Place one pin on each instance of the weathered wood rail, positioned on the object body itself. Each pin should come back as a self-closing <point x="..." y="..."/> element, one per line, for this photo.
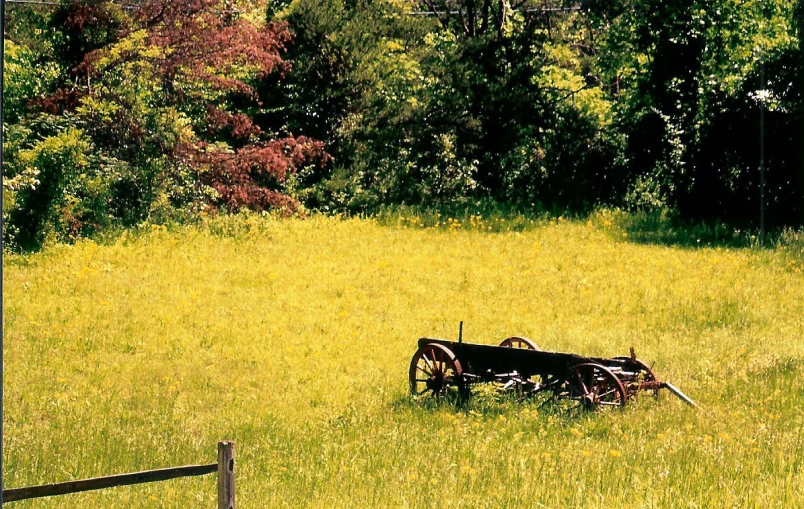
<point x="225" y="467"/>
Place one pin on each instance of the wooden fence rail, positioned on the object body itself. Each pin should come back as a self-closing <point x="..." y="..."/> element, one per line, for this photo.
<point x="225" y="467"/>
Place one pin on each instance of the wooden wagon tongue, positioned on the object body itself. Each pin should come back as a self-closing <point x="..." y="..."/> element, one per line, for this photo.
<point x="683" y="397"/>
<point x="442" y="366"/>
<point x="667" y="385"/>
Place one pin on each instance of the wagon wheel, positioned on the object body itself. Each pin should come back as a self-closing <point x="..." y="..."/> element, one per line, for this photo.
<point x="433" y="370"/>
<point x="645" y="374"/>
<point x="519" y="342"/>
<point x="593" y="386"/>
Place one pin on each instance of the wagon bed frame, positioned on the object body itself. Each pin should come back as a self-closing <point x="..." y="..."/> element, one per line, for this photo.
<point x="440" y="366"/>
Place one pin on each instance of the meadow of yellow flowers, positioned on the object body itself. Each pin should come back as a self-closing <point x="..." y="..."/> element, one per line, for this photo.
<point x="293" y="337"/>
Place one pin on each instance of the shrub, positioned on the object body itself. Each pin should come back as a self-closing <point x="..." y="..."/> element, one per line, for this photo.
<point x="60" y="189"/>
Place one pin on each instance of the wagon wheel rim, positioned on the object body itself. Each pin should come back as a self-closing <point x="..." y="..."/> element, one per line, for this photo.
<point x="593" y="386"/>
<point x="519" y="342"/>
<point x="433" y="370"/>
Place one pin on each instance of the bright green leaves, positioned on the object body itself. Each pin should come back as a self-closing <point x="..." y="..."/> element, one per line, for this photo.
<point x="25" y="78"/>
<point x="60" y="189"/>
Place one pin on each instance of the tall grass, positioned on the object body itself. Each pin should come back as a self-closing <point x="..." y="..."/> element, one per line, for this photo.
<point x="293" y="337"/>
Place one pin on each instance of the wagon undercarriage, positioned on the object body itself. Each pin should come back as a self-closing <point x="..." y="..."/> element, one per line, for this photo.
<point x="441" y="366"/>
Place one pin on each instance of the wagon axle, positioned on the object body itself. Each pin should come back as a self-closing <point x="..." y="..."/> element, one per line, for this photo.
<point x="440" y="366"/>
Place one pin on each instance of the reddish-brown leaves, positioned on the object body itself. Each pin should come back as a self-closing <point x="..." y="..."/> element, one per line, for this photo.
<point x="208" y="42"/>
<point x="80" y="16"/>
<point x="205" y="43"/>
<point x="250" y="176"/>
<point x="64" y="99"/>
<point x="239" y="126"/>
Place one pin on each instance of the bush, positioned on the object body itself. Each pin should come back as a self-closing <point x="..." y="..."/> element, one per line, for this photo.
<point x="58" y="188"/>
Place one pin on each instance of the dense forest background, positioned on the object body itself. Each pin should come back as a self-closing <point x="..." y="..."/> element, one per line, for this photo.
<point x="118" y="113"/>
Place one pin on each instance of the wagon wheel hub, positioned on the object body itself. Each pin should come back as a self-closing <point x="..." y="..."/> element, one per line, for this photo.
<point x="435" y="382"/>
<point x="589" y="401"/>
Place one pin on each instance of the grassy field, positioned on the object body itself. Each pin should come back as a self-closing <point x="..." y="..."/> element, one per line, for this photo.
<point x="293" y="338"/>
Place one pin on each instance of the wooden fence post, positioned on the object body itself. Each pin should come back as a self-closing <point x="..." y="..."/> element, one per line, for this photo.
<point x="226" y="475"/>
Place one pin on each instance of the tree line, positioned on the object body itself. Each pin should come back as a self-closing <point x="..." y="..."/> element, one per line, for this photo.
<point x="157" y="109"/>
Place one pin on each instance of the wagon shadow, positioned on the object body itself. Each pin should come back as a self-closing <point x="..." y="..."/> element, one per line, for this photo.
<point x="490" y="403"/>
<point x="450" y="401"/>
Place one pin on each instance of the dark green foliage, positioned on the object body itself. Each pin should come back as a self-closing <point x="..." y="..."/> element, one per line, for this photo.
<point x="726" y="166"/>
<point x="690" y="107"/>
<point x="58" y="187"/>
<point x="431" y="110"/>
<point x="800" y="91"/>
<point x="82" y="27"/>
<point x="116" y="116"/>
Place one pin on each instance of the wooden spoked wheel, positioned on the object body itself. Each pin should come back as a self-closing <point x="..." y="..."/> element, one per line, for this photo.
<point x="519" y="342"/>
<point x="593" y="386"/>
<point x="433" y="370"/>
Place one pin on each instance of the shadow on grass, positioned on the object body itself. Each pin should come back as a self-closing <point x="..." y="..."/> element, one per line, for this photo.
<point x="781" y="368"/>
<point x="482" y="215"/>
<point x="661" y="227"/>
<point x="666" y="228"/>
<point x="487" y="402"/>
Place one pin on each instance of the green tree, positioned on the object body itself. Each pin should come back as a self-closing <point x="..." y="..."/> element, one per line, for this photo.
<point x="25" y="78"/>
<point x="151" y="114"/>
<point x="688" y="101"/>
<point x="492" y="102"/>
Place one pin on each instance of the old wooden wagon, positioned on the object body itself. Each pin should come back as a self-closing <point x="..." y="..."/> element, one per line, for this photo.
<point x="442" y="366"/>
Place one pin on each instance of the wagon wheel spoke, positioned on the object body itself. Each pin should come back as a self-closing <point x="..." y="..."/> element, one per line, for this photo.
<point x="519" y="343"/>
<point x="440" y="361"/>
<point x="424" y="388"/>
<point x="420" y="386"/>
<point x="611" y="395"/>
<point x="594" y="386"/>
<point x="612" y="391"/>
<point x="581" y="385"/>
<point x="601" y="386"/>
<point x="427" y="363"/>
<point x="435" y="361"/>
<point x="428" y="373"/>
<point x="589" y="388"/>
